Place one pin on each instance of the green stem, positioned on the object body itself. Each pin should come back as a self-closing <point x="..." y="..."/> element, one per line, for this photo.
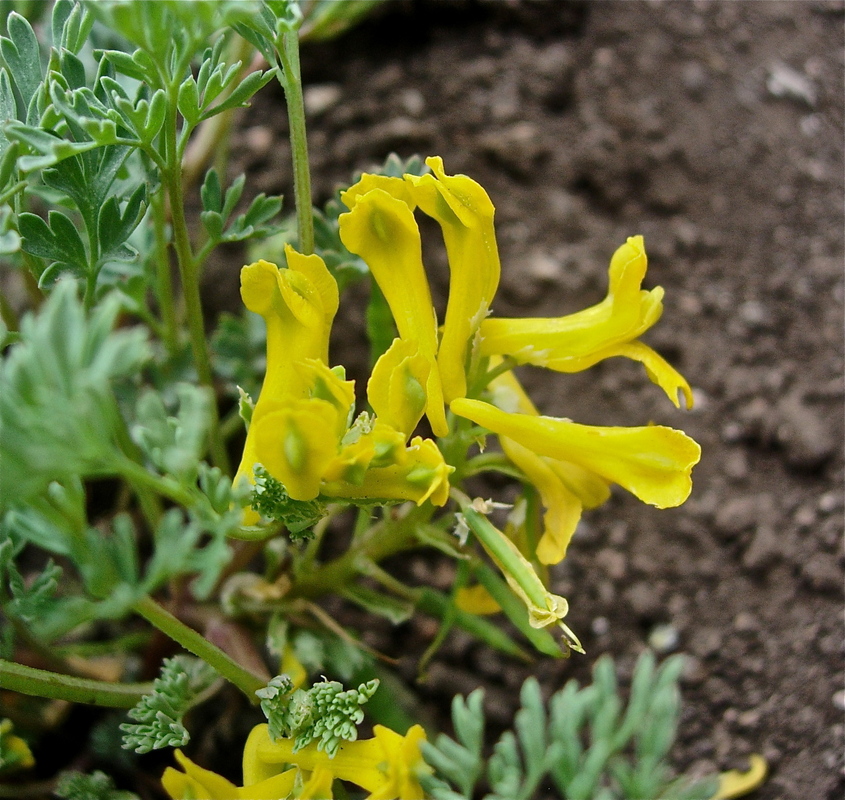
<point x="41" y="683"/>
<point x="291" y="80"/>
<point x="382" y="540"/>
<point x="197" y="644"/>
<point x="7" y="313"/>
<point x="164" y="280"/>
<point x="142" y="479"/>
<point x="189" y="274"/>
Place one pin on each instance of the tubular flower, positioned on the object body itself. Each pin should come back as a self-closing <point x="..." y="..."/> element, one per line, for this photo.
<point x="300" y="428"/>
<point x="652" y="462"/>
<point x="465" y="214"/>
<point x="381" y="229"/>
<point x="577" y="341"/>
<point x="565" y="488"/>
<point x="298" y="305"/>
<point x="388" y="766"/>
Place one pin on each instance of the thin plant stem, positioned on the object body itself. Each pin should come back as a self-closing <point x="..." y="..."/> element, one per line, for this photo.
<point x="41" y="683"/>
<point x="164" y="280"/>
<point x="189" y="274"/>
<point x="197" y="644"/>
<point x="385" y="539"/>
<point x="291" y="80"/>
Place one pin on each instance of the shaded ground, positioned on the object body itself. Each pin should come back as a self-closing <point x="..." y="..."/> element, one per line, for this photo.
<point x="714" y="129"/>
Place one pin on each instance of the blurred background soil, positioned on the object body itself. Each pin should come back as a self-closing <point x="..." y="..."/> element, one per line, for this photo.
<point x="714" y="129"/>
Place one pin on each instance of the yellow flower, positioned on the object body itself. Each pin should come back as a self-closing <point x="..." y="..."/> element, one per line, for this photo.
<point x="300" y="428"/>
<point x="465" y="214"/>
<point x="566" y="489"/>
<point x="16" y="750"/>
<point x="196" y="783"/>
<point x="734" y="783"/>
<point x="388" y="766"/>
<point x="577" y="341"/>
<point x="298" y="304"/>
<point x="396" y="389"/>
<point x="654" y="462"/>
<point x="419" y="473"/>
<point x="381" y="229"/>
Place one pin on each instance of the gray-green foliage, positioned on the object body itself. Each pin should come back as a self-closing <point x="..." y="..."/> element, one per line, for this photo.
<point x="96" y="786"/>
<point x="271" y="500"/>
<point x="325" y="713"/>
<point x="96" y="136"/>
<point x="158" y="716"/>
<point x="58" y="414"/>
<point x="587" y="745"/>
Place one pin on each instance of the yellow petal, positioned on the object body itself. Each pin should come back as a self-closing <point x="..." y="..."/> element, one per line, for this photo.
<point x="292" y="667"/>
<point x="476" y="600"/>
<point x="577" y="341"/>
<point x="387" y="766"/>
<point x="298" y="305"/>
<point x="273" y="788"/>
<point x="653" y="462"/>
<point x="325" y="384"/>
<point x="295" y="444"/>
<point x="382" y="230"/>
<point x="563" y="507"/>
<point x="395" y="187"/>
<point x="319" y="786"/>
<point x="196" y="783"/>
<point x="419" y="474"/>
<point x="659" y="371"/>
<point x="397" y="386"/>
<point x="465" y="214"/>
<point x="565" y="488"/>
<point x="738" y="784"/>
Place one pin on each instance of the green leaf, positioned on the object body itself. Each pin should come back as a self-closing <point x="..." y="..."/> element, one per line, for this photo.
<point x="188" y="101"/>
<point x="241" y="95"/>
<point x="22" y="56"/>
<point x="325" y="713"/>
<point x="57" y="406"/>
<point x="174" y="444"/>
<point x="132" y="67"/>
<point x="158" y="716"/>
<point x="50" y="149"/>
<point x="71" y="24"/>
<point x="57" y="241"/>
<point x="96" y="786"/>
<point x="397" y="611"/>
<point x="114" y="227"/>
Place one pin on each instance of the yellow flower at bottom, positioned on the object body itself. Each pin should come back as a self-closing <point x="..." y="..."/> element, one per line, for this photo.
<point x="196" y="783"/>
<point x="388" y="765"/>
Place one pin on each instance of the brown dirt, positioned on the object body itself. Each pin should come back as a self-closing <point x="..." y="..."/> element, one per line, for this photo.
<point x="714" y="129"/>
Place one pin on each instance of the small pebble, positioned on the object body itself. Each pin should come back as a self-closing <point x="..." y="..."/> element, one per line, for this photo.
<point x="786" y="82"/>
<point x="745" y="622"/>
<point x="664" y="638"/>
<point x="320" y="98"/>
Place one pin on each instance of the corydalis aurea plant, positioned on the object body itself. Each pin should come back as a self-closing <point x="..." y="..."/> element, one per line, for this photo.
<point x="456" y="375"/>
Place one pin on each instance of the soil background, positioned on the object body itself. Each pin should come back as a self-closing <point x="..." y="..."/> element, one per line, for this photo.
<point x="715" y="129"/>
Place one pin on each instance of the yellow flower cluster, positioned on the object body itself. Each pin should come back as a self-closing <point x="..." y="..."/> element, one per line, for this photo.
<point x="387" y="766"/>
<point x="301" y="430"/>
